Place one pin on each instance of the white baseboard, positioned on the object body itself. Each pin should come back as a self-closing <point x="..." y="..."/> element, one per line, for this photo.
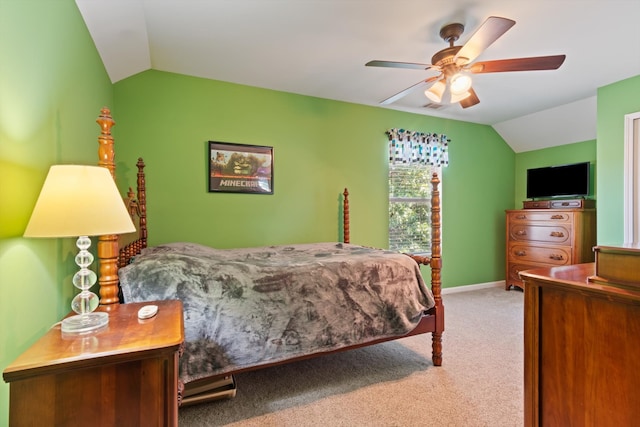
<point x="475" y="287"/>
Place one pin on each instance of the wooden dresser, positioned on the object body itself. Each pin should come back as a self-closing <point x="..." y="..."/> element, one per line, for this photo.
<point x="581" y="344"/>
<point x="124" y="375"/>
<point x="547" y="237"/>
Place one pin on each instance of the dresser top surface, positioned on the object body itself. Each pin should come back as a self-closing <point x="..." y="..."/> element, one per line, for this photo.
<point x="551" y="210"/>
<point x="581" y="278"/>
<point x="629" y="249"/>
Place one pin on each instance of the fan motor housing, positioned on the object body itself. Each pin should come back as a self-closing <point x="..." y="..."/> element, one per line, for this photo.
<point x="445" y="56"/>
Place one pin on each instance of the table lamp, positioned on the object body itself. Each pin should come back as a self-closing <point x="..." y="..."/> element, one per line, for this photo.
<point x="80" y="201"/>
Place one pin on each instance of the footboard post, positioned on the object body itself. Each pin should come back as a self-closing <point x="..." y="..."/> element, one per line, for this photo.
<point x="436" y="267"/>
<point x="345" y="217"/>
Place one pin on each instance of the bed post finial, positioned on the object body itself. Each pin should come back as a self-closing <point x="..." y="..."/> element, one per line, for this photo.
<point x="107" y="247"/>
<point x="105" y="149"/>
<point x="345" y="216"/>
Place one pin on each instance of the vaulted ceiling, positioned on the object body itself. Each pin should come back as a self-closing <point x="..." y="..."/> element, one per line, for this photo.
<point x="320" y="47"/>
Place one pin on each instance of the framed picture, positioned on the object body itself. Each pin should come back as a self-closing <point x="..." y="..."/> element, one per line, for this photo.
<point x="240" y="168"/>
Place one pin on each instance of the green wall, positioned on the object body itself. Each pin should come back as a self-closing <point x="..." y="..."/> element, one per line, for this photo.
<point x="614" y="102"/>
<point x="563" y="154"/>
<point x="52" y="86"/>
<point x="320" y="147"/>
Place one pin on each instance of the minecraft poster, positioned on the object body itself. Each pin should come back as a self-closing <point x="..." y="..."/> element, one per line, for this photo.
<point x="239" y="168"/>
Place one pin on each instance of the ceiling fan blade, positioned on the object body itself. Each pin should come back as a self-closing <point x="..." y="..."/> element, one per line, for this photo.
<point x="518" y="64"/>
<point x="408" y="90"/>
<point x="490" y="31"/>
<point x="470" y="100"/>
<point x="391" y="64"/>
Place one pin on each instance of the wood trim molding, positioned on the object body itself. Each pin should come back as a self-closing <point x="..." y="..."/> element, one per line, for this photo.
<point x="631" y="174"/>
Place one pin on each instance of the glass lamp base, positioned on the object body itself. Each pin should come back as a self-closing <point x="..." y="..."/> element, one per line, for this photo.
<point x="83" y="323"/>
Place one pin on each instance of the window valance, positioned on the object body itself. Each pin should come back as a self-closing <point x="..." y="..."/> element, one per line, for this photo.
<point x="412" y="147"/>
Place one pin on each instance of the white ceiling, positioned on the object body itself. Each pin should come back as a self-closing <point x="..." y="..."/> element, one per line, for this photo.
<point x="319" y="48"/>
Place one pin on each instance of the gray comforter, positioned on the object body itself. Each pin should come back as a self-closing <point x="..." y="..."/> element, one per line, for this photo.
<point x="253" y="306"/>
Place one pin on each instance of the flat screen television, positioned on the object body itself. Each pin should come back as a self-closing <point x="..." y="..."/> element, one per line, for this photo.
<point x="570" y="180"/>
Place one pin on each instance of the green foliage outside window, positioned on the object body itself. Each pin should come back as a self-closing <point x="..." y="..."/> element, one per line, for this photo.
<point x="410" y="208"/>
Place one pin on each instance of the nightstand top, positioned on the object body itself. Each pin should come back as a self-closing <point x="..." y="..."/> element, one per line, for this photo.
<point x="125" y="338"/>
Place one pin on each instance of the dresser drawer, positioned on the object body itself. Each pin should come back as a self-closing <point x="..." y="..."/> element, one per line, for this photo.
<point x="513" y="272"/>
<point x="535" y="215"/>
<point x="548" y="255"/>
<point x="559" y="234"/>
<point x="513" y="276"/>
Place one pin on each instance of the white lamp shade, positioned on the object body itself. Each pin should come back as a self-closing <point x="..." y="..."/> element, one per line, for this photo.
<point x="460" y="83"/>
<point x="79" y="201"/>
<point x="435" y="92"/>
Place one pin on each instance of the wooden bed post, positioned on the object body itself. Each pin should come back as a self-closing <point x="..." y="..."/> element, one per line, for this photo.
<point x="142" y="203"/>
<point x="436" y="267"/>
<point x="107" y="248"/>
<point x="345" y="217"/>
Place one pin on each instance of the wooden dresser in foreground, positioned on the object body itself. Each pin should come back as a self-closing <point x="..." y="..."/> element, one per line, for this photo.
<point x="582" y="346"/>
<point x="124" y="375"/>
<point x="546" y="238"/>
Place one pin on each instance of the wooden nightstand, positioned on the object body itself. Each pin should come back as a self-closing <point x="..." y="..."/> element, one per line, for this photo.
<point x="124" y="375"/>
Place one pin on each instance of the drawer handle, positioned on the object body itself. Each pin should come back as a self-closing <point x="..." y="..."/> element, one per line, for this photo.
<point x="521" y="217"/>
<point x="520" y="253"/>
<point x="557" y="217"/>
<point x="557" y="234"/>
<point x="556" y="257"/>
<point x="521" y="233"/>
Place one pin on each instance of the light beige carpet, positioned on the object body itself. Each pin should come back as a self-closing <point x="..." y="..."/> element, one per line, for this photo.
<point x="395" y="384"/>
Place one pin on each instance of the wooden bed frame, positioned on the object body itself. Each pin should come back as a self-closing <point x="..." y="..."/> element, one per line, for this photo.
<point x="116" y="251"/>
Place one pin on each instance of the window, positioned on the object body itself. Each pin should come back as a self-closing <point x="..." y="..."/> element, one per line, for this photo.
<point x="413" y="158"/>
<point x="410" y="191"/>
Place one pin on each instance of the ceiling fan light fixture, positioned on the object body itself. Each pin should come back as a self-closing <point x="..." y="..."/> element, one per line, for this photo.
<point x="456" y="63"/>
<point x="460" y="83"/>
<point x="435" y="92"/>
<point x="457" y="97"/>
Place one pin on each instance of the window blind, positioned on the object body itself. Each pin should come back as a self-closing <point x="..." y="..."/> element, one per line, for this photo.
<point x="410" y="208"/>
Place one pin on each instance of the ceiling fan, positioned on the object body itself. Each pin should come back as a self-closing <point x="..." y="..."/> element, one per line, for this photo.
<point x="455" y="63"/>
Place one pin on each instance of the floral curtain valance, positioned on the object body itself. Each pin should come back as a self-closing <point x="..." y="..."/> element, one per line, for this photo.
<point x="411" y="147"/>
